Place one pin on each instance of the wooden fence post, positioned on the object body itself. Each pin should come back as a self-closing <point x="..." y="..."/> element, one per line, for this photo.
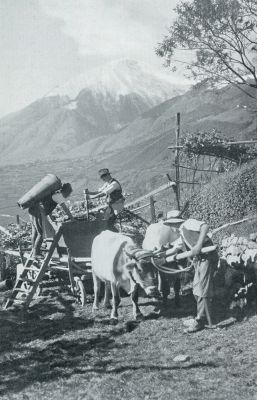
<point x="177" y="162"/>
<point x="86" y="203"/>
<point x="152" y="209"/>
<point x="18" y="221"/>
<point x="2" y="266"/>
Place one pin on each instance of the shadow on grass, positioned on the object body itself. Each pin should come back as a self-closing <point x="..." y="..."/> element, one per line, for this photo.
<point x="105" y="367"/>
<point x="64" y="358"/>
<point x="220" y="310"/>
<point x="33" y="347"/>
<point x="170" y="310"/>
<point x="41" y="362"/>
<point x="57" y="360"/>
<point x="43" y="320"/>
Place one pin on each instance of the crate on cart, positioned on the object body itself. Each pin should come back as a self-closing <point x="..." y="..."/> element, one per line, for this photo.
<point x="78" y="236"/>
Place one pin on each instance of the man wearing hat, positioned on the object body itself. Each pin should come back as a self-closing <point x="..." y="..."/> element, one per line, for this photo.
<point x="112" y="191"/>
<point x="193" y="235"/>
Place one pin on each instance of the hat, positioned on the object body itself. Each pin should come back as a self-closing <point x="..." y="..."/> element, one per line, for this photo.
<point x="66" y="189"/>
<point x="173" y="217"/>
<point x="103" y="171"/>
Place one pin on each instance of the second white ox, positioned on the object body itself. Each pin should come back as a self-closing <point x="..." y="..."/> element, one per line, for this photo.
<point x="117" y="260"/>
<point x="158" y="235"/>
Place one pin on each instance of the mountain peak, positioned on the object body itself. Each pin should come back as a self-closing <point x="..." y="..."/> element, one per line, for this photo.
<point x="120" y="78"/>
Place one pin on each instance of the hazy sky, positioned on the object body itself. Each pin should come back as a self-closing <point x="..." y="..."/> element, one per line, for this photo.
<point x="43" y="43"/>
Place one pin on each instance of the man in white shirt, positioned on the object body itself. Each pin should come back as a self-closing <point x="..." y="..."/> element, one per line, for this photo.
<point x="112" y="191"/>
<point x="193" y="236"/>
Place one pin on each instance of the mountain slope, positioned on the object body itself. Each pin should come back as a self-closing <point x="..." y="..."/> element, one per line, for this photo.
<point x="91" y="106"/>
<point x="138" y="155"/>
<point x="47" y="129"/>
<point x="200" y="110"/>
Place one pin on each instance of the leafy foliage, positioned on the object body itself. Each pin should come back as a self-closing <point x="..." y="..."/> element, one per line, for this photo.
<point x="221" y="37"/>
<point x="210" y="143"/>
<point x="228" y="198"/>
<point x="17" y="236"/>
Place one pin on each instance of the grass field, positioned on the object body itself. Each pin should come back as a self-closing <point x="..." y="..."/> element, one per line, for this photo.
<point x="59" y="350"/>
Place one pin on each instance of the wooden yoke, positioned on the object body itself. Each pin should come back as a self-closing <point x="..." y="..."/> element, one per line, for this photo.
<point x="186" y="254"/>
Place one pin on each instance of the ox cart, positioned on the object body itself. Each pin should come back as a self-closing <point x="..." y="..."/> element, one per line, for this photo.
<point x="74" y="240"/>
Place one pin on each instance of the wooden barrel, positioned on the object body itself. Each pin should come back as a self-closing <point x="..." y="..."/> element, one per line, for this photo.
<point x="48" y="185"/>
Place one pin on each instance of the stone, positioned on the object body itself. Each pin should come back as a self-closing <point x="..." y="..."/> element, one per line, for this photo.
<point x="188" y="322"/>
<point x="181" y="358"/>
<point x="253" y="237"/>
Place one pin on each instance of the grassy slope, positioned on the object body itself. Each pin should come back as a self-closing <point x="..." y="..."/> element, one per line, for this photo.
<point x="62" y="351"/>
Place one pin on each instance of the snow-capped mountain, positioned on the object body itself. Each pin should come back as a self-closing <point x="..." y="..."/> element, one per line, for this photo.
<point x="114" y="95"/>
<point x="99" y="103"/>
<point x="123" y="77"/>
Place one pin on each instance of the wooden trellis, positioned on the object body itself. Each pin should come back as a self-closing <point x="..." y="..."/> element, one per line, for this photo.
<point x="194" y="170"/>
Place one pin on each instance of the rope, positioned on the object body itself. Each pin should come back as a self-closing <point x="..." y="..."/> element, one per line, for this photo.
<point x="170" y="271"/>
<point x="137" y="253"/>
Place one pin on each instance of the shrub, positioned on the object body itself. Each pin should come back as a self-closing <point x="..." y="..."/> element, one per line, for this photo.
<point x="213" y="144"/>
<point x="229" y="197"/>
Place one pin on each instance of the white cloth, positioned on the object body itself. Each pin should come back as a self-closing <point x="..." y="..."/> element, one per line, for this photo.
<point x="58" y="198"/>
<point x="190" y="224"/>
<point x="109" y="187"/>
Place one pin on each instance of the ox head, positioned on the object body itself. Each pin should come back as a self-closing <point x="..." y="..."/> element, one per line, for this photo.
<point x="141" y="269"/>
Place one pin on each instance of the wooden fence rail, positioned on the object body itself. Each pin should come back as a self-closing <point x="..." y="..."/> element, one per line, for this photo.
<point x="149" y="195"/>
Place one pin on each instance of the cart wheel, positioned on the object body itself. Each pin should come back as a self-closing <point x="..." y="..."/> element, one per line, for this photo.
<point x="80" y="292"/>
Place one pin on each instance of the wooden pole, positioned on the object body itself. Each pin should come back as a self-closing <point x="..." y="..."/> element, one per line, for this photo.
<point x="174" y="187"/>
<point x="152" y="209"/>
<point x="18" y="220"/>
<point x="177" y="161"/>
<point x="2" y="267"/>
<point x="86" y="203"/>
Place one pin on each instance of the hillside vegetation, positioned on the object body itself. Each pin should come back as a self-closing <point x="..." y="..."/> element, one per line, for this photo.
<point x="229" y="197"/>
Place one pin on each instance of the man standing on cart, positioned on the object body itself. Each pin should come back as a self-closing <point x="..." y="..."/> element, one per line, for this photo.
<point x="112" y="191"/>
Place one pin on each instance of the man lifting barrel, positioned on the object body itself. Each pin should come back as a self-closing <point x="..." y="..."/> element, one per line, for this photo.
<point x="41" y="200"/>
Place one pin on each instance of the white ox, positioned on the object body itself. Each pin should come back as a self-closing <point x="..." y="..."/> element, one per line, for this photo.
<point x="158" y="235"/>
<point x="116" y="259"/>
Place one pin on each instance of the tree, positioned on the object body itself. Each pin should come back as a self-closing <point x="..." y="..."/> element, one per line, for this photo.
<point x="221" y="37"/>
